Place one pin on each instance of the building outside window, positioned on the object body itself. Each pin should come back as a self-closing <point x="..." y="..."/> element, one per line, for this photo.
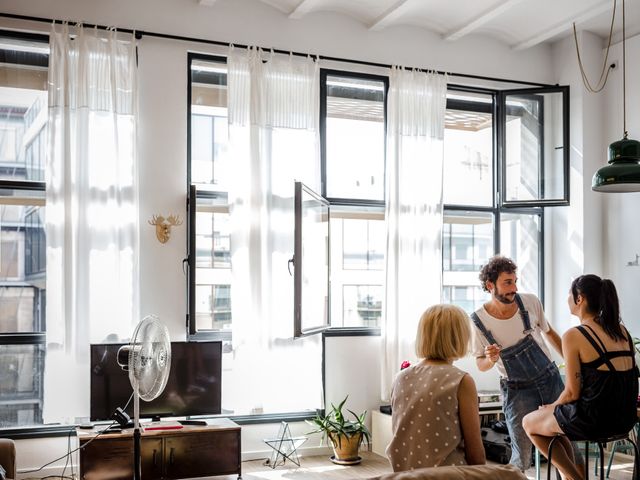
<point x="23" y="139"/>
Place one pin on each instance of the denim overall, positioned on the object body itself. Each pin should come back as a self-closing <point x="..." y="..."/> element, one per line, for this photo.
<point x="532" y="380"/>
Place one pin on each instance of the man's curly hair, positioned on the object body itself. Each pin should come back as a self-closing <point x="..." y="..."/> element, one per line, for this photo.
<point x="493" y="268"/>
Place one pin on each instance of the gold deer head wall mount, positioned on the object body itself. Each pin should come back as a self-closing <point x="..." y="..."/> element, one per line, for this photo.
<point x="163" y="226"/>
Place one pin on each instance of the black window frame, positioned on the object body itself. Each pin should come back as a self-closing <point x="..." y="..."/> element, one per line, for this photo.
<point x="193" y="334"/>
<point x="534" y="94"/>
<point x="499" y="207"/>
<point x="36" y="338"/>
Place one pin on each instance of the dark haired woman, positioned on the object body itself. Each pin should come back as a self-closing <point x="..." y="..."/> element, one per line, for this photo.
<point x="599" y="399"/>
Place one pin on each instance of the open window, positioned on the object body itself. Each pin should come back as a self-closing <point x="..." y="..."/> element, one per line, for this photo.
<point x="311" y="262"/>
<point x="535" y="145"/>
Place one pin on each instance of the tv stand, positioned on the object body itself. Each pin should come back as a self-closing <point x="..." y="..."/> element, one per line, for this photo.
<point x="188" y="452"/>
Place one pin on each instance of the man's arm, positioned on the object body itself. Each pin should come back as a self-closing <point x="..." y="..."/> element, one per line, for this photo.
<point x="554" y="339"/>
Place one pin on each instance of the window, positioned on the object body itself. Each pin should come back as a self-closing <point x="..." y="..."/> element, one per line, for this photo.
<point x="500" y="206"/>
<point x="211" y="273"/>
<point x="23" y="139"/>
<point x="353" y="108"/>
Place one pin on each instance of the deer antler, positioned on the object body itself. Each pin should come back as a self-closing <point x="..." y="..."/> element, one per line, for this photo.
<point x="174" y="220"/>
<point x="156" y="220"/>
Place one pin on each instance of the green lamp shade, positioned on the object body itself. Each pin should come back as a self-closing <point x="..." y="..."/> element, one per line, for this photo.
<point x="622" y="174"/>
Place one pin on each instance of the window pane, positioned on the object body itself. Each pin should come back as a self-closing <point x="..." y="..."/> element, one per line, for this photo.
<point x="355" y="138"/>
<point x="466" y="297"/>
<point x="362" y="305"/>
<point x="209" y="128"/>
<point x="358" y="241"/>
<point x="363" y="244"/>
<point x="468" y="150"/>
<point x="467" y="245"/>
<point x="213" y="307"/>
<point x="212" y="239"/>
<point x="23" y="109"/>
<point x="21" y="372"/>
<point x="520" y="238"/>
<point x="22" y="268"/>
<point x="535" y="157"/>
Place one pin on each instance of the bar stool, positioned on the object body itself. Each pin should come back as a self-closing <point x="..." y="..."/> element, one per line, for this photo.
<point x="601" y="442"/>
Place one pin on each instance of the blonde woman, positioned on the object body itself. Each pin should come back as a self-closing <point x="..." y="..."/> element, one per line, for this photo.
<point x="435" y="417"/>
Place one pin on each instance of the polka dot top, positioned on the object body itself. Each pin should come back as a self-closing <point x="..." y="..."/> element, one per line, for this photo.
<point x="425" y="420"/>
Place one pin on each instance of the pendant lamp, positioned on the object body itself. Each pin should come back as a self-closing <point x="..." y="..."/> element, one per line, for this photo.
<point x="622" y="174"/>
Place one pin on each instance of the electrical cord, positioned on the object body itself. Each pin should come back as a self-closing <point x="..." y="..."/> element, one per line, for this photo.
<point x="604" y="74"/>
<point x="70" y="452"/>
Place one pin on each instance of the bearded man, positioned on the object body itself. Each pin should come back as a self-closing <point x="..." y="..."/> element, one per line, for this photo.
<point x="508" y="334"/>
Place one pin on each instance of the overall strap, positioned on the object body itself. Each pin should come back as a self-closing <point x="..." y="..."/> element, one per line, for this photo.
<point x="478" y="323"/>
<point x="596" y="347"/>
<point x="524" y="314"/>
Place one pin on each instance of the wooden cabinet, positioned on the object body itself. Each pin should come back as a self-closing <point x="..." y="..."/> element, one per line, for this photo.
<point x="188" y="452"/>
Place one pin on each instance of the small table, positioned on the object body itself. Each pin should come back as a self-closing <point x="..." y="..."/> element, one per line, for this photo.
<point x="285" y="446"/>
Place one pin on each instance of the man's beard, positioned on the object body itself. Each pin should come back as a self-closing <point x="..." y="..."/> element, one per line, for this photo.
<point x="507" y="299"/>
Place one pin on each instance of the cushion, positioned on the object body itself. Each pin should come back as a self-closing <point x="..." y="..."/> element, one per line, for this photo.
<point x="472" y="472"/>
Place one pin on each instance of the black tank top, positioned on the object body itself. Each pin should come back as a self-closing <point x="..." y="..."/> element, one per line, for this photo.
<point x="607" y="403"/>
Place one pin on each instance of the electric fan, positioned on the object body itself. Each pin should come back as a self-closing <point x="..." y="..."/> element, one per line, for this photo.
<point x="147" y="358"/>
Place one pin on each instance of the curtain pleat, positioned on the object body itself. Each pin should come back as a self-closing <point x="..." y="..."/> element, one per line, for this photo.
<point x="92" y="204"/>
<point x="273" y="116"/>
<point x="413" y="212"/>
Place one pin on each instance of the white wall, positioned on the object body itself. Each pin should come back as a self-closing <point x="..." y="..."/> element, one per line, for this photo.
<point x="352" y="363"/>
<point x="621" y="227"/>
<point x="573" y="234"/>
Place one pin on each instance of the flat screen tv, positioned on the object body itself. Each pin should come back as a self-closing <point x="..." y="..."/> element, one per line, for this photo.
<point x="193" y="388"/>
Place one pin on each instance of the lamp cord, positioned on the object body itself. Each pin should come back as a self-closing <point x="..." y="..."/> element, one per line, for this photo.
<point x="604" y="75"/>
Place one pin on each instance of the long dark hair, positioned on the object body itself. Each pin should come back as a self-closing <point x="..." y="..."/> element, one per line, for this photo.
<point x="602" y="300"/>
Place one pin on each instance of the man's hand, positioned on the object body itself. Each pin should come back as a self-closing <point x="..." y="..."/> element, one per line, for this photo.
<point x="492" y="352"/>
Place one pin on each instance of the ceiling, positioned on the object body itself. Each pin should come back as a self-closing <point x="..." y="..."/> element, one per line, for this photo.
<point x="520" y="24"/>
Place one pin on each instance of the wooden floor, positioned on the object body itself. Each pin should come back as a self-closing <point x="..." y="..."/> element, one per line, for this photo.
<point x="321" y="468"/>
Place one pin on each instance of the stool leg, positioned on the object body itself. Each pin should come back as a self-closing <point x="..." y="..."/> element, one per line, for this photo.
<point x="550" y="453"/>
<point x="636" y="460"/>
<point x="586" y="460"/>
<point x="537" y="457"/>
<point x="616" y="444"/>
<point x="601" y="452"/>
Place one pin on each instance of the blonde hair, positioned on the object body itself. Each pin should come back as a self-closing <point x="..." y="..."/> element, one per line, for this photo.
<point x="443" y="333"/>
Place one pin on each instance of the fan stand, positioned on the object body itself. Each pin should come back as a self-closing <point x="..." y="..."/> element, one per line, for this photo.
<point x="137" y="466"/>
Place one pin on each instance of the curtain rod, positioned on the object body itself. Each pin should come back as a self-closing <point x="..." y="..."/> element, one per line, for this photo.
<point x="140" y="33"/>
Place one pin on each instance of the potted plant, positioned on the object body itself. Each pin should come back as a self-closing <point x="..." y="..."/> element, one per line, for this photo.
<point x="345" y="435"/>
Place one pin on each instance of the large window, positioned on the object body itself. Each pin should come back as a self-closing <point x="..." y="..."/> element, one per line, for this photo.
<point x="209" y="164"/>
<point x="23" y="138"/>
<point x="512" y="157"/>
<point x="498" y="143"/>
<point x="353" y="113"/>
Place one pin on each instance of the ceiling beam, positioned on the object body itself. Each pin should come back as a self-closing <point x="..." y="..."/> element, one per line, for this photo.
<point x="389" y="15"/>
<point x="564" y="25"/>
<point x="302" y="9"/>
<point x="483" y="18"/>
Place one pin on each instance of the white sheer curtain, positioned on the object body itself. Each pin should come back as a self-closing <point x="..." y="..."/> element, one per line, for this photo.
<point x="273" y="103"/>
<point x="416" y="110"/>
<point x="92" y="206"/>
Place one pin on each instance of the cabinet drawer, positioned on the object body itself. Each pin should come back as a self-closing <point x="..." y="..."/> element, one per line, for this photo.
<point x="198" y="455"/>
<point x="112" y="459"/>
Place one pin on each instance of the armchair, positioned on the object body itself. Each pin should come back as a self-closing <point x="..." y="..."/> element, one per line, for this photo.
<point x="8" y="457"/>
